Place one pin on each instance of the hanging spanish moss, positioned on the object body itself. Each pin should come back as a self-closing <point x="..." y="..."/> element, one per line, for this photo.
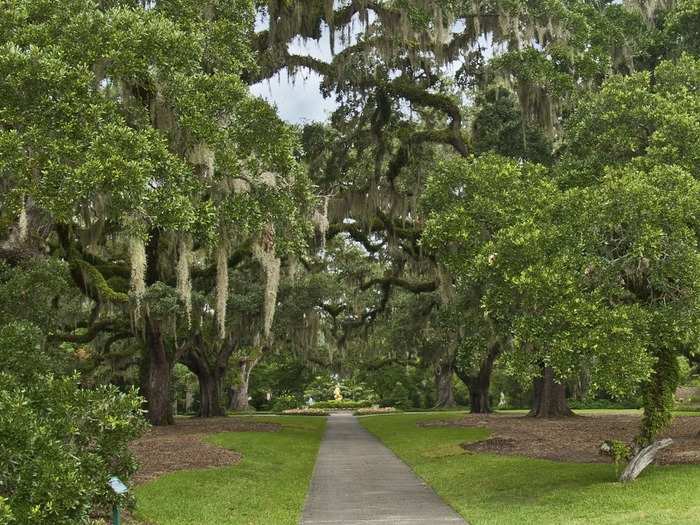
<point x="293" y="268"/>
<point x="239" y="185"/>
<point x="184" y="283"/>
<point x="309" y="333"/>
<point x="269" y="179"/>
<point x="202" y="156"/>
<point x="137" y="255"/>
<point x="221" y="287"/>
<point x="649" y="9"/>
<point x="23" y="223"/>
<point x="446" y="288"/>
<point x="320" y="221"/>
<point x="264" y="252"/>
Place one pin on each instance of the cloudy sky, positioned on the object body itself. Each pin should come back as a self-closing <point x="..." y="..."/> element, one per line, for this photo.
<point x="298" y="98"/>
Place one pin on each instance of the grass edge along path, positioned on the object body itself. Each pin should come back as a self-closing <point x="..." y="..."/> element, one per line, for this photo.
<point x="267" y="487"/>
<point x="487" y="489"/>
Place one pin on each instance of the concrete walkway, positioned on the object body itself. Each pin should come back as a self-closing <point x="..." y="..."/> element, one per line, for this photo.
<point x="358" y="481"/>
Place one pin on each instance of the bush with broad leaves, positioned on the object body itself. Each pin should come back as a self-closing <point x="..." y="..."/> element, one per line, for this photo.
<point x="59" y="442"/>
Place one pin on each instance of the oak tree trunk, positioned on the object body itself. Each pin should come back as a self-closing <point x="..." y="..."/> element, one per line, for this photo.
<point x="209" y="377"/>
<point x="157" y="365"/>
<point x="211" y="404"/>
<point x="157" y="377"/>
<point x="549" y="397"/>
<point x="443" y="383"/>
<point x="480" y="384"/>
<point x="238" y="394"/>
<point x="238" y="397"/>
<point x="479" y="402"/>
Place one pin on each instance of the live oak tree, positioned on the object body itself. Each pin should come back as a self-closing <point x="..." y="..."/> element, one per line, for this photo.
<point x="595" y="261"/>
<point x="401" y="107"/>
<point x="130" y="145"/>
<point x="638" y="139"/>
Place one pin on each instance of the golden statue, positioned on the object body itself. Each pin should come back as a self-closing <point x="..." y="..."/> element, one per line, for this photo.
<point x="338" y="396"/>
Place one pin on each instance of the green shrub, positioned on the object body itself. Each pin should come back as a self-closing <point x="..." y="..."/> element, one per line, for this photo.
<point x="685" y="370"/>
<point x="399" y="397"/>
<point x="284" y="402"/>
<point x="322" y="388"/>
<point x="343" y="404"/>
<point x="620" y="453"/>
<point x="59" y="443"/>
<point x="306" y="412"/>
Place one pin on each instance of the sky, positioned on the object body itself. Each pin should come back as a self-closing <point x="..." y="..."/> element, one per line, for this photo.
<point x="298" y="98"/>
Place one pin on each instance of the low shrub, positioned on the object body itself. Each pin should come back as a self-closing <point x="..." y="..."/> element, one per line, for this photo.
<point x="342" y="404"/>
<point x="374" y="410"/>
<point x="284" y="402"/>
<point x="620" y="453"/>
<point x="322" y="388"/>
<point x="305" y="412"/>
<point x="398" y="397"/>
<point x="59" y="442"/>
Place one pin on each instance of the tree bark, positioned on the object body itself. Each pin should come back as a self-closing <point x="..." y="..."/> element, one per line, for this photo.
<point x="480" y="384"/>
<point x="210" y="383"/>
<point x="443" y="384"/>
<point x="643" y="459"/>
<point x="210" y="378"/>
<point x="549" y="397"/>
<point x="157" y="377"/>
<point x="238" y="395"/>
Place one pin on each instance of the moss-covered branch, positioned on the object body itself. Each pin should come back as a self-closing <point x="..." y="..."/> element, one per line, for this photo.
<point x="95" y="329"/>
<point x="417" y="288"/>
<point x="357" y="233"/>
<point x="99" y="283"/>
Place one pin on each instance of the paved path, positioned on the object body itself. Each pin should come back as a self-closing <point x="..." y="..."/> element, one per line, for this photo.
<point x="358" y="481"/>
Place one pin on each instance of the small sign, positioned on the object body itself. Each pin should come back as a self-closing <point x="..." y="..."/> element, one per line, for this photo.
<point x="117" y="486"/>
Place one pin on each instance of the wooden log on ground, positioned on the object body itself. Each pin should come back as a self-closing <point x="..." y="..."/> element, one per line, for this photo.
<point x="643" y="459"/>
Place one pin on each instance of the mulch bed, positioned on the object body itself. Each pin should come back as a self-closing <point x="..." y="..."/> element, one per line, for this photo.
<point x="576" y="439"/>
<point x="182" y="447"/>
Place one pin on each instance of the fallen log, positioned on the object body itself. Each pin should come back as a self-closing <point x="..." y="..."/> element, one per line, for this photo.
<point x="643" y="459"/>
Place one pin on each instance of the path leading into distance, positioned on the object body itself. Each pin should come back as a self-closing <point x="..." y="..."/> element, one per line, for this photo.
<point x="358" y="481"/>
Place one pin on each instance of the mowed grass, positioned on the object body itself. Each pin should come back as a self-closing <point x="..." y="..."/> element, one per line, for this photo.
<point x="499" y="490"/>
<point x="268" y="486"/>
<point x="609" y="411"/>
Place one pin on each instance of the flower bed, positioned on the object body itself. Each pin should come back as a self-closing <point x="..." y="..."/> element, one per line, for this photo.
<point x="342" y="404"/>
<point x="374" y="410"/>
<point x="305" y="412"/>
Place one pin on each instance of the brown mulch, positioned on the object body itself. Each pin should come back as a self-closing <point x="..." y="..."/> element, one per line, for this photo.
<point x="181" y="446"/>
<point x="575" y="439"/>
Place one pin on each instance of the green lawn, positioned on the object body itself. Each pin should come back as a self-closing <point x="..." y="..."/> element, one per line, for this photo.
<point x="267" y="487"/>
<point x="499" y="490"/>
<point x="604" y="411"/>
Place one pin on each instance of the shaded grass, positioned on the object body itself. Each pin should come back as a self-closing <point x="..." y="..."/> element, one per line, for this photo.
<point x="605" y="411"/>
<point x="267" y="487"/>
<point x="502" y="490"/>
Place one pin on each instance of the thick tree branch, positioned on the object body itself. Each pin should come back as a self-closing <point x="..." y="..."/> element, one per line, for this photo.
<point x="416" y="288"/>
<point x="356" y="233"/>
<point x="90" y="334"/>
